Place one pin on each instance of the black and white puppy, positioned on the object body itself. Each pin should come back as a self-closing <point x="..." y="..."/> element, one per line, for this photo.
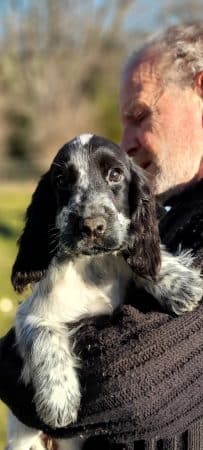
<point x="90" y="229"/>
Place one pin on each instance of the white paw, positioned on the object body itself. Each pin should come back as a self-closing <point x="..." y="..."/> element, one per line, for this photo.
<point x="187" y="294"/>
<point x="58" y="397"/>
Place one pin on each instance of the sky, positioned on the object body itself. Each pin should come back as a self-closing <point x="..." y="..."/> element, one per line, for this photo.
<point x="147" y="15"/>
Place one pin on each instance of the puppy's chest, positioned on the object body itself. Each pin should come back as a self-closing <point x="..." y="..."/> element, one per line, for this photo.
<point x="90" y="286"/>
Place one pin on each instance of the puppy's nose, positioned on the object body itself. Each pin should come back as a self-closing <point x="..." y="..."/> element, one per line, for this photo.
<point x="94" y="226"/>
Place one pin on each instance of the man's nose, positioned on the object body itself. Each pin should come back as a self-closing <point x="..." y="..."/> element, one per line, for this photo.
<point x="132" y="144"/>
<point x="93" y="227"/>
<point x="129" y="139"/>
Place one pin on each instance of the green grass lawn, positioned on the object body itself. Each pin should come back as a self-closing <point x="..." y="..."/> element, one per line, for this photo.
<point x="13" y="202"/>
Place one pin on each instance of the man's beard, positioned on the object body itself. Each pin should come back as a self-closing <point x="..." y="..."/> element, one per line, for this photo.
<point x="163" y="178"/>
<point x="166" y="182"/>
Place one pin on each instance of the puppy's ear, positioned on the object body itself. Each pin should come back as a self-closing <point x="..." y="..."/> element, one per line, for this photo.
<point x="143" y="254"/>
<point x="34" y="251"/>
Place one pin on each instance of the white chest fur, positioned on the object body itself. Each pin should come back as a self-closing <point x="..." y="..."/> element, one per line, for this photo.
<point x="81" y="288"/>
<point x="69" y="292"/>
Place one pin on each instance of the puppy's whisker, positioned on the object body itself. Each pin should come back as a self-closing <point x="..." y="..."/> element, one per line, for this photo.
<point x="53" y="229"/>
<point x="53" y="249"/>
<point x="53" y="236"/>
<point x="60" y="165"/>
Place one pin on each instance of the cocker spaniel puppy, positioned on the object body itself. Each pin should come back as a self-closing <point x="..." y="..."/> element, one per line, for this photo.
<point x="90" y="229"/>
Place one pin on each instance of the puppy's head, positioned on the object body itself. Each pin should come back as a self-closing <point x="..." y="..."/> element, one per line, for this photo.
<point x="92" y="200"/>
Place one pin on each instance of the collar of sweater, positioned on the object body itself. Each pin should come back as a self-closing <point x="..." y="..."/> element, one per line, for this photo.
<point x="183" y="224"/>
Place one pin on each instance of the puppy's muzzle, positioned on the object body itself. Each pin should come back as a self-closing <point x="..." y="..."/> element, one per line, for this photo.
<point x="93" y="227"/>
<point x="89" y="233"/>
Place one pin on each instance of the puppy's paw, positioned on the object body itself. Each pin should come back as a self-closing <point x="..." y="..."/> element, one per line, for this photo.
<point x="58" y="399"/>
<point x="186" y="292"/>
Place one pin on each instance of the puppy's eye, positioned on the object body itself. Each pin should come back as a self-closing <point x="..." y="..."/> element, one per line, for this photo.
<point x="61" y="182"/>
<point x="115" y="175"/>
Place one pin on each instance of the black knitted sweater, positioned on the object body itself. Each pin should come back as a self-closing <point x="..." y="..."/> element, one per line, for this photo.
<point x="142" y="370"/>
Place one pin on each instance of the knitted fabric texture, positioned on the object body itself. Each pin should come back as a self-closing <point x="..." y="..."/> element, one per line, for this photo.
<point x="142" y="370"/>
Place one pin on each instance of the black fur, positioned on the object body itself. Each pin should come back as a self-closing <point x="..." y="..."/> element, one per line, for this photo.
<point x="143" y="255"/>
<point x="35" y="249"/>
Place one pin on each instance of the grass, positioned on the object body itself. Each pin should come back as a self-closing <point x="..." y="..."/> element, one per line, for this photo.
<point x="13" y="202"/>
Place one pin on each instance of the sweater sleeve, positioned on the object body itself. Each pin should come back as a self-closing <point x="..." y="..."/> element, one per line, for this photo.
<point x="142" y="376"/>
<point x="145" y="377"/>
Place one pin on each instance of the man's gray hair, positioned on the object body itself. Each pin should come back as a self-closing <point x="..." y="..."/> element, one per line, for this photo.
<point x="180" y="52"/>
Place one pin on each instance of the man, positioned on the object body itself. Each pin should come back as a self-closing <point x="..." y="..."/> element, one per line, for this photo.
<point x="142" y="369"/>
<point x="162" y="108"/>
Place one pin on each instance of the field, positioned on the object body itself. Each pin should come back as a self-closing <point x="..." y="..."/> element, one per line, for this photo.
<point x="13" y="202"/>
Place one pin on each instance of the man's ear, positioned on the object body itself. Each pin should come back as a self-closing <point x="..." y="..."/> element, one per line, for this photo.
<point x="143" y="254"/>
<point x="198" y="86"/>
<point x="34" y="253"/>
<point x="198" y="83"/>
<point x="200" y="171"/>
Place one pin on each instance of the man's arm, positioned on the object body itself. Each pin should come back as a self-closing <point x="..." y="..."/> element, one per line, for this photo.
<point x="142" y="375"/>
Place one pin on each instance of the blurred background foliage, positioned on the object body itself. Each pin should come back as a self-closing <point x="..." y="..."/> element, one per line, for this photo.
<point x="60" y="64"/>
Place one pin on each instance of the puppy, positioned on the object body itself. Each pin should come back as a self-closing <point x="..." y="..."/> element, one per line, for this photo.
<point x="90" y="229"/>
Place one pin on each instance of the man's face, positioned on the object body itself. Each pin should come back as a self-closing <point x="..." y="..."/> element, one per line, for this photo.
<point x="162" y="127"/>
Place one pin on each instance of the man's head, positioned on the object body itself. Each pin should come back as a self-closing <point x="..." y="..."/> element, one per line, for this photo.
<point x="162" y="106"/>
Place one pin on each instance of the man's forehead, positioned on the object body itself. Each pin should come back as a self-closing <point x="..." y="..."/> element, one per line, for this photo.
<point x="140" y="98"/>
<point x="143" y="64"/>
<point x="140" y="85"/>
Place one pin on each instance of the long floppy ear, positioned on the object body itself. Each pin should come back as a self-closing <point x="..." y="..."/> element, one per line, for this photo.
<point x="34" y="251"/>
<point x="143" y="254"/>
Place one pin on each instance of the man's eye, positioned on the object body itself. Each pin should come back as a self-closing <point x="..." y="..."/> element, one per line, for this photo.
<point x="115" y="175"/>
<point x="140" y="116"/>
